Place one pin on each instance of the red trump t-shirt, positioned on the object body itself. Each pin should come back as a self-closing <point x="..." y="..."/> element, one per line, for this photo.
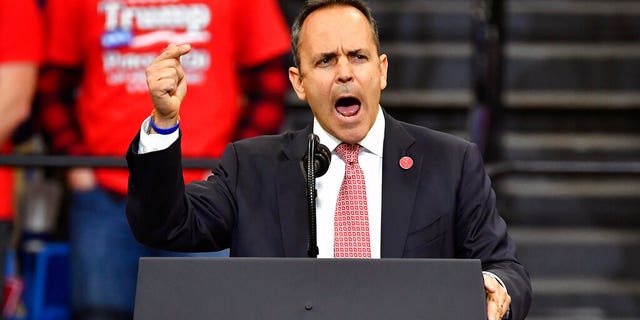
<point x="115" y="40"/>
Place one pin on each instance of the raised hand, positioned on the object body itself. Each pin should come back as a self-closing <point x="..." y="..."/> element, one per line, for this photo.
<point x="167" y="84"/>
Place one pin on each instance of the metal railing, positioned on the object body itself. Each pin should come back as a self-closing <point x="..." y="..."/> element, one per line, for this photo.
<point x="494" y="170"/>
<point x="500" y="169"/>
<point x="33" y="160"/>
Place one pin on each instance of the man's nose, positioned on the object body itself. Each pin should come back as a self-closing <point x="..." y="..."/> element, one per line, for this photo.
<point x="345" y="73"/>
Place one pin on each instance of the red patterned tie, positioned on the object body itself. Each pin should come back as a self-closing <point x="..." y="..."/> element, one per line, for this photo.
<point x="351" y="223"/>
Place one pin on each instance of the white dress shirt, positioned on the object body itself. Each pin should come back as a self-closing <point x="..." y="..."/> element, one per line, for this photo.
<point x="328" y="186"/>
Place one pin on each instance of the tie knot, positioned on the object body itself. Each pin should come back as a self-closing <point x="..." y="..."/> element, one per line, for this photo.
<point x="348" y="152"/>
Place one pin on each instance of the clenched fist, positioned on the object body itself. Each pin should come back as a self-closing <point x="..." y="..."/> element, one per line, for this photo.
<point x="167" y="84"/>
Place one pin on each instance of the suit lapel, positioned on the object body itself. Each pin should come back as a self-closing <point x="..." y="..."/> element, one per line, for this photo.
<point x="292" y="204"/>
<point x="398" y="188"/>
<point x="398" y="192"/>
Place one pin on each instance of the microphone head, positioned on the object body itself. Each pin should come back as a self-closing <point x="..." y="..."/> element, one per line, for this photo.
<point x="322" y="159"/>
<point x="321" y="156"/>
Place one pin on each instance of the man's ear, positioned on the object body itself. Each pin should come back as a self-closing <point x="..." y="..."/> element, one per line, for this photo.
<point x="296" y="82"/>
<point x="384" y="65"/>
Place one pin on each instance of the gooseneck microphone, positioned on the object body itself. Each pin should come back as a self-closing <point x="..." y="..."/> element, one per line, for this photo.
<point x="319" y="163"/>
<point x="315" y="163"/>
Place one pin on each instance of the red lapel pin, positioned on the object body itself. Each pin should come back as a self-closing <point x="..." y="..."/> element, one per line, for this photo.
<point x="406" y="162"/>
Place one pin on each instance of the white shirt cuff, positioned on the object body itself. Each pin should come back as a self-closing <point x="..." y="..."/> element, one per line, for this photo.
<point x="150" y="142"/>
<point x="493" y="275"/>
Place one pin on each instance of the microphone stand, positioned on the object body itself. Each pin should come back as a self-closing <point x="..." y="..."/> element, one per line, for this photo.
<point x="316" y="164"/>
<point x="312" y="249"/>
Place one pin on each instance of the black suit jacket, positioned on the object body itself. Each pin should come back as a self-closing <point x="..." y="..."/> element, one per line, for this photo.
<point x="255" y="204"/>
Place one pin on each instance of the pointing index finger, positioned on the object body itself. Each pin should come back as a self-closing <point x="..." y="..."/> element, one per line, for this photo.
<point x="174" y="51"/>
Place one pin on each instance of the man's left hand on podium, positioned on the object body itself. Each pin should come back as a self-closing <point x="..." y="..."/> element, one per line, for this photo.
<point x="498" y="300"/>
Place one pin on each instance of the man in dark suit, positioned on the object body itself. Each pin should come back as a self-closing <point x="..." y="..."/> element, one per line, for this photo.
<point x="427" y="197"/>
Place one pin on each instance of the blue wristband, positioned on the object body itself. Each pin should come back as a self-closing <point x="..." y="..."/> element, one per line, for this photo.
<point x="164" y="131"/>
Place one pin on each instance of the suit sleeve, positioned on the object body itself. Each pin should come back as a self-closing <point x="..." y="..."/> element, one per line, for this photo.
<point x="165" y="214"/>
<point x="483" y="233"/>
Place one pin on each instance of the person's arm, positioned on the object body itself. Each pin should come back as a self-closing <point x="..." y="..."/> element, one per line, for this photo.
<point x="55" y="109"/>
<point x="482" y="234"/>
<point x="162" y="211"/>
<point x="58" y="121"/>
<point x="20" y="56"/>
<point x="17" y="84"/>
<point x="264" y="88"/>
<point x="165" y="213"/>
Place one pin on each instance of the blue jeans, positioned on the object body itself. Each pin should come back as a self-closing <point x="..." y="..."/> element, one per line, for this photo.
<point x="104" y="254"/>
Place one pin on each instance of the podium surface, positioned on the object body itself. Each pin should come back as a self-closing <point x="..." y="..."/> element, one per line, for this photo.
<point x="301" y="288"/>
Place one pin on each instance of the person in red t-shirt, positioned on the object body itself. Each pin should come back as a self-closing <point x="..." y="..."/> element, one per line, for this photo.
<point x="19" y="59"/>
<point x="113" y="41"/>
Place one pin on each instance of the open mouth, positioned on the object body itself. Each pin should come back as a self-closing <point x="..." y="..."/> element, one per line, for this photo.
<point x="348" y="106"/>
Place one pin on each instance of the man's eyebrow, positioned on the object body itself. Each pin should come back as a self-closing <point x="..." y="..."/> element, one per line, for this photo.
<point x="357" y="51"/>
<point x="331" y="55"/>
<point x="325" y="55"/>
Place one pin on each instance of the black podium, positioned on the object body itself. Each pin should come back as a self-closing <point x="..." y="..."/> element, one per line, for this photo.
<point x="283" y="288"/>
